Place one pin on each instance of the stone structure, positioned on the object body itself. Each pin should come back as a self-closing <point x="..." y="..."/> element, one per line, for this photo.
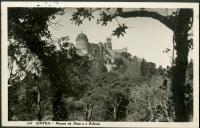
<point x="92" y="49"/>
<point x="98" y="49"/>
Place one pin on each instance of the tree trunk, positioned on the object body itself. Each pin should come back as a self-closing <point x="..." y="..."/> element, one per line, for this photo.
<point x="183" y="20"/>
<point x="39" y="102"/>
<point x="115" y="113"/>
<point x="59" y="109"/>
<point x="87" y="112"/>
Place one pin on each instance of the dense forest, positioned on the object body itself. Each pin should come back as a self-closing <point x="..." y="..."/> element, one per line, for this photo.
<point x="50" y="81"/>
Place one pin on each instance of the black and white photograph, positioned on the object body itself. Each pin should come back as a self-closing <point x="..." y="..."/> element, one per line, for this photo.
<point x="86" y="65"/>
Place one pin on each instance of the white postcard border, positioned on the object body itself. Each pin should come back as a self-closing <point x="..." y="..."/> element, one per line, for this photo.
<point x="4" y="57"/>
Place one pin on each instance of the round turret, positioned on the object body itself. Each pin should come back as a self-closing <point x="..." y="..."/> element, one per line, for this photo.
<point x="82" y="36"/>
<point x="82" y="43"/>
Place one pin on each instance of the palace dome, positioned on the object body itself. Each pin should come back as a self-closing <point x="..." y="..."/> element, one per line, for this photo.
<point x="82" y="37"/>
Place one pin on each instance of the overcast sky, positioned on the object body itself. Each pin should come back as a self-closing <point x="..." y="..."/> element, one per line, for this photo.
<point x="145" y="37"/>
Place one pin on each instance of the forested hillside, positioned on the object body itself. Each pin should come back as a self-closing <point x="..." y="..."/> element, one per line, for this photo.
<point x="135" y="90"/>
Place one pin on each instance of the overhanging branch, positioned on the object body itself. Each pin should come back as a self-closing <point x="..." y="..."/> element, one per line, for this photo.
<point x="143" y="13"/>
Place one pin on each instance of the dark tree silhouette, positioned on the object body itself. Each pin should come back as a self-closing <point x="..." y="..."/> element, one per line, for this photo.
<point x="27" y="26"/>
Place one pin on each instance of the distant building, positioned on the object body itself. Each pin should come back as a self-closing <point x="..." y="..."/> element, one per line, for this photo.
<point x="98" y="49"/>
<point x="92" y="49"/>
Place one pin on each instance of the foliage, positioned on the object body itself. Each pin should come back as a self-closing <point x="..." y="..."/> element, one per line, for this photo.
<point x="81" y="14"/>
<point x="147" y="68"/>
<point x="98" y="66"/>
<point x="106" y="15"/>
<point x="189" y="90"/>
<point x="29" y="27"/>
<point x="119" y="63"/>
<point x="21" y="61"/>
<point x="133" y="67"/>
<point x="120" y="30"/>
<point x="71" y="83"/>
<point x="107" y="95"/>
<point x="126" y="55"/>
<point x="34" y="20"/>
<point x="23" y="99"/>
<point x="184" y="21"/>
<point x="153" y="106"/>
<point x="180" y="23"/>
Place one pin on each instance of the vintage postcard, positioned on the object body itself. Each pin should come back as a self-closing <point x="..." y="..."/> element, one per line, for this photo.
<point x="100" y="64"/>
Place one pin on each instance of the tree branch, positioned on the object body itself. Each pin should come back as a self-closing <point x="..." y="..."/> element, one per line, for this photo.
<point x="150" y="14"/>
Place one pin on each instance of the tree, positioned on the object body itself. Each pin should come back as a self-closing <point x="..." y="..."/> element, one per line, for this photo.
<point x="126" y="55"/>
<point x="116" y="103"/>
<point x="143" y="67"/>
<point x="147" y="68"/>
<point x="189" y="89"/>
<point x="179" y="22"/>
<point x="108" y="96"/>
<point x="119" y="63"/>
<point x="133" y="67"/>
<point x="22" y="64"/>
<point x="98" y="66"/>
<point x="150" y="103"/>
<point x="29" y="26"/>
<point x="28" y="103"/>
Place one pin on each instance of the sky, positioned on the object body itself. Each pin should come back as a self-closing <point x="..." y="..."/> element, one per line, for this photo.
<point x="145" y="38"/>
